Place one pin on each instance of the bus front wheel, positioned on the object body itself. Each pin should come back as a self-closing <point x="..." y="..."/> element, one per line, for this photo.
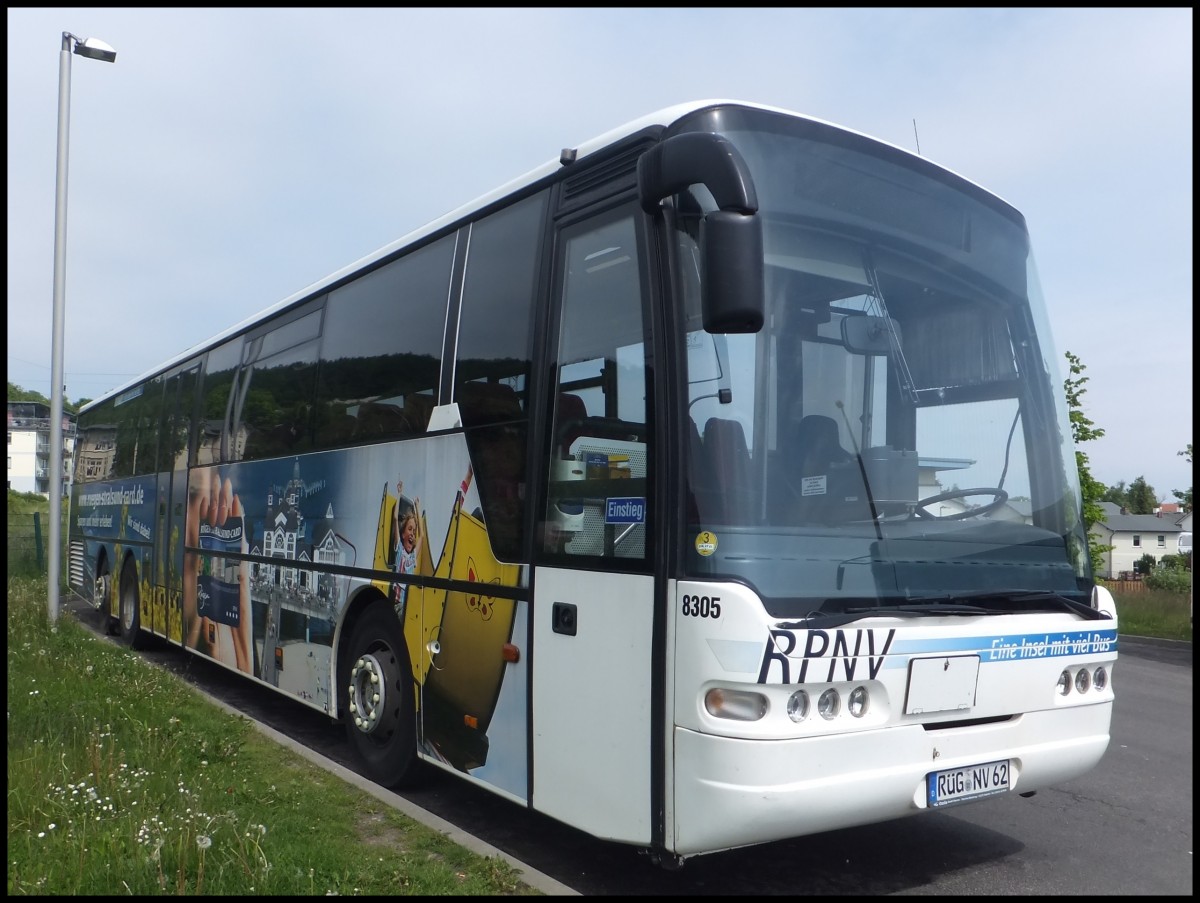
<point x="378" y="705"/>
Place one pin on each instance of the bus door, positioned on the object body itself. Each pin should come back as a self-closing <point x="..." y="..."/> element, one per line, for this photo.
<point x="593" y="583"/>
<point x="173" y="450"/>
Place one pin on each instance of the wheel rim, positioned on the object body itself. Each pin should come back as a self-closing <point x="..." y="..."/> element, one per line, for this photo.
<point x="128" y="613"/>
<point x="368" y="694"/>
<point x="100" y="591"/>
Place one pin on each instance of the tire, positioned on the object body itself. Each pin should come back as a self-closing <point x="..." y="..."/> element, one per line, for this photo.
<point x="375" y="688"/>
<point x="129" y="622"/>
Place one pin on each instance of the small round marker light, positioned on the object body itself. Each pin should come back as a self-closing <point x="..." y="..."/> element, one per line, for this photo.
<point x="1083" y="680"/>
<point x="858" y="702"/>
<point x="797" y="706"/>
<point x="829" y="704"/>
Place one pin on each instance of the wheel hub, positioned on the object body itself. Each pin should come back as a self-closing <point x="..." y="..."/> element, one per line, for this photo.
<point x="100" y="592"/>
<point x="367" y="693"/>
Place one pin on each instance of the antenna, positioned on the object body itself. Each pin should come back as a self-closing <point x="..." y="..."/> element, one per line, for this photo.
<point x="916" y="136"/>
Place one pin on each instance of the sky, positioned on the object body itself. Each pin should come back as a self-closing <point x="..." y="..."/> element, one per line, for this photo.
<point x="231" y="157"/>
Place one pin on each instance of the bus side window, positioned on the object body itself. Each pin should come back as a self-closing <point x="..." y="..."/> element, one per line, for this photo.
<point x="600" y="433"/>
<point x="96" y="444"/>
<point x="493" y="362"/>
<point x="215" y="443"/>
<point x="381" y="351"/>
<point x="569" y="423"/>
<point x="276" y="384"/>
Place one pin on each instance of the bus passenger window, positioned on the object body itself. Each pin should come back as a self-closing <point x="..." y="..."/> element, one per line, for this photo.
<point x="599" y="469"/>
<point x="381" y="350"/>
<point x="275" y="387"/>
<point x="493" y="360"/>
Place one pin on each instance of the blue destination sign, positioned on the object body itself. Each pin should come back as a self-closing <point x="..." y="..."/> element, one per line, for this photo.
<point x="625" y="511"/>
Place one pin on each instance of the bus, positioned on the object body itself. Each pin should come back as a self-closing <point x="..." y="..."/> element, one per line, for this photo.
<point x="708" y="485"/>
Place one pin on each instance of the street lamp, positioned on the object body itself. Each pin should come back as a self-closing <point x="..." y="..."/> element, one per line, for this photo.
<point x="95" y="49"/>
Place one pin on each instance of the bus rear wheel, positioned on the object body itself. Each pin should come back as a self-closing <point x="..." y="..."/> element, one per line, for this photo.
<point x="102" y="587"/>
<point x="129" y="622"/>
<point x="101" y="600"/>
<point x="378" y="706"/>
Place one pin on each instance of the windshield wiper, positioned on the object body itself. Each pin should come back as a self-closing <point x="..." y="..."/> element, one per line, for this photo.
<point x="862" y="469"/>
<point x="1058" y="602"/>
<point x="987" y="602"/>
<point x="818" y="620"/>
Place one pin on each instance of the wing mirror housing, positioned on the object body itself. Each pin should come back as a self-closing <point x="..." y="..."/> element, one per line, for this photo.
<point x="731" y="239"/>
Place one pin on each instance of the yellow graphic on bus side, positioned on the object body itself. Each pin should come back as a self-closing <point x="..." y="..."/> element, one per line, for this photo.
<point x="423" y="611"/>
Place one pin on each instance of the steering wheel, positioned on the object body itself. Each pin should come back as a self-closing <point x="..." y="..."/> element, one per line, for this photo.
<point x="999" y="497"/>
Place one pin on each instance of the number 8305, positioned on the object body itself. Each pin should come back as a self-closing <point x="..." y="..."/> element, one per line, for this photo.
<point x="702" y="606"/>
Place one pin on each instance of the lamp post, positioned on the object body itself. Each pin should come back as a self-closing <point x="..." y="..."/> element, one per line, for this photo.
<point x="95" y="49"/>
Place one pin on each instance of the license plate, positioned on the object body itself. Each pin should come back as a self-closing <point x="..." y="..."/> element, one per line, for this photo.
<point x="957" y="785"/>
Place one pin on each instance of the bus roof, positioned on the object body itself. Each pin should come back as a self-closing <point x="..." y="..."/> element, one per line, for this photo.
<point x="663" y="117"/>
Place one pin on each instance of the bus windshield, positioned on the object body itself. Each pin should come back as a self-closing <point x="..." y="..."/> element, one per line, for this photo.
<point x="895" y="432"/>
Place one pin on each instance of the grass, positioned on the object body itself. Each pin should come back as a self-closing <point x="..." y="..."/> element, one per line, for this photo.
<point x="27" y="541"/>
<point x="122" y="779"/>
<point x="1155" y="613"/>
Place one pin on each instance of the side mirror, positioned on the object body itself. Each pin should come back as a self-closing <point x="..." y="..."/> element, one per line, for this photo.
<point x="869" y="335"/>
<point x="731" y="238"/>
<point x="731" y="294"/>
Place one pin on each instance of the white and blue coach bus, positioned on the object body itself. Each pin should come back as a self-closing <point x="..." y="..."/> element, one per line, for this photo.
<point x="709" y="485"/>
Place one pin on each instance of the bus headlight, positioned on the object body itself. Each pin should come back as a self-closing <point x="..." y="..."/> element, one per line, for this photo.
<point x="1083" y="680"/>
<point x="1064" y="683"/>
<point x="736" y="705"/>
<point x="857" y="704"/>
<point x="1100" y="678"/>
<point x="829" y="704"/>
<point x="797" y="706"/>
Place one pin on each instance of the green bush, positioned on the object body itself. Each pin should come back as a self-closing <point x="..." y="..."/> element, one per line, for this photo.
<point x="1145" y="564"/>
<point x="1181" y="562"/>
<point x="1168" y="579"/>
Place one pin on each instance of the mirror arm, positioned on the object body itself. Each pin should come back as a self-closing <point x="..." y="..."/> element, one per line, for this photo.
<point x="703" y="158"/>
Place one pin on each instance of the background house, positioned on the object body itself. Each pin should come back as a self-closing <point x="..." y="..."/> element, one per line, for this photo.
<point x="1134" y="535"/>
<point x="29" y="447"/>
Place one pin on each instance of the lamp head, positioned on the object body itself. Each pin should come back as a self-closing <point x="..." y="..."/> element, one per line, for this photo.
<point x="95" y="49"/>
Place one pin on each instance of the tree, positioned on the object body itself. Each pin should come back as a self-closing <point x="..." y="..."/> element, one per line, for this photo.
<point x="1141" y="498"/>
<point x="16" y="393"/>
<point x="1083" y="430"/>
<point x="1118" y="495"/>
<point x="1185" y="496"/>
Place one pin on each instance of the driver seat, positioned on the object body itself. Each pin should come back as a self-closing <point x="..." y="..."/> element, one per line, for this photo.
<point x="818" y="445"/>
